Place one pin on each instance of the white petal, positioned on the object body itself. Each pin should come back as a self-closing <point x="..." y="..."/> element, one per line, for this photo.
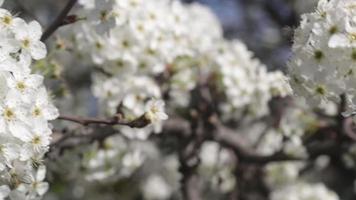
<point x="17" y="195"/>
<point x="2" y="125"/>
<point x="339" y="40"/>
<point x="38" y="50"/>
<point x="26" y="152"/>
<point x="35" y="30"/>
<point x="50" y="112"/>
<point x="20" y="131"/>
<point x="34" y="81"/>
<point x="41" y="173"/>
<point x="2" y="167"/>
<point x="42" y="188"/>
<point x="4" y="191"/>
<point x="12" y="151"/>
<point x="20" y="29"/>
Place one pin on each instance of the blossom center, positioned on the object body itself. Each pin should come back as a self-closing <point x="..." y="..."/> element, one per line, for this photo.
<point x="352" y="36"/>
<point x="103" y="15"/>
<point x="36" y="140"/>
<point x="36" y="112"/>
<point x="26" y="43"/>
<point x="8" y="114"/>
<point x="7" y="19"/>
<point x="21" y="86"/>
<point x="154" y="109"/>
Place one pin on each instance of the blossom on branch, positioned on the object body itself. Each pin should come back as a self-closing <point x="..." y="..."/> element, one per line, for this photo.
<point x="155" y="111"/>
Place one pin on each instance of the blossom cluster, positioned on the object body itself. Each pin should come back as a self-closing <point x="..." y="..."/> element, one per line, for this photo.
<point x="297" y="122"/>
<point x="324" y="54"/>
<point x="217" y="167"/>
<point x="284" y="181"/>
<point x="144" y="51"/>
<point x="150" y="48"/>
<point x="101" y="163"/>
<point x="25" y="109"/>
<point x="304" y="191"/>
<point x="136" y="165"/>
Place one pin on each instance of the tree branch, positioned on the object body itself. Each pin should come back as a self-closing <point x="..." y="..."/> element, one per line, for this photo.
<point x="117" y="120"/>
<point x="232" y="140"/>
<point x="59" y="20"/>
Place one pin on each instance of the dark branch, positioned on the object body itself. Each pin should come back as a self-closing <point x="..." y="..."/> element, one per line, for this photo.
<point x="86" y="121"/>
<point x="59" y="21"/>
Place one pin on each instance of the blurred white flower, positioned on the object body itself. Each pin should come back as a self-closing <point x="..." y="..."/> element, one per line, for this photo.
<point x="155" y="111"/>
<point x="156" y="188"/>
<point x="304" y="191"/>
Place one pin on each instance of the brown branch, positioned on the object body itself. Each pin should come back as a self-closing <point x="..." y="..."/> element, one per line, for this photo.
<point x="234" y="141"/>
<point x="179" y="127"/>
<point x="69" y="139"/>
<point x="347" y="127"/>
<point x="59" y="20"/>
<point x="72" y="139"/>
<point x="86" y="121"/>
<point x="189" y="160"/>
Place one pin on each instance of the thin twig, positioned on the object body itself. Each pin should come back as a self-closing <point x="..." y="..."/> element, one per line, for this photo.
<point x="59" y="20"/>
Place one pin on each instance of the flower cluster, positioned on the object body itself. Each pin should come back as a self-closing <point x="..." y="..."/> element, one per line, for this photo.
<point x="244" y="81"/>
<point x="324" y="50"/>
<point x="217" y="167"/>
<point x="150" y="48"/>
<point x="297" y="122"/>
<point x="144" y="51"/>
<point x="101" y="164"/>
<point x="25" y="109"/>
<point x="284" y="180"/>
<point x="117" y="160"/>
<point x="304" y="191"/>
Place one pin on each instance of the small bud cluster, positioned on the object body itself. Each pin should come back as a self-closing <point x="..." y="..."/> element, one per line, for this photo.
<point x="25" y="109"/>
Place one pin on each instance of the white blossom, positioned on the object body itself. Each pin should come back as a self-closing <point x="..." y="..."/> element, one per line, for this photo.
<point x="4" y="189"/>
<point x="304" y="191"/>
<point x="155" y="111"/>
<point x="156" y="188"/>
<point x="24" y="110"/>
<point x="29" y="37"/>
